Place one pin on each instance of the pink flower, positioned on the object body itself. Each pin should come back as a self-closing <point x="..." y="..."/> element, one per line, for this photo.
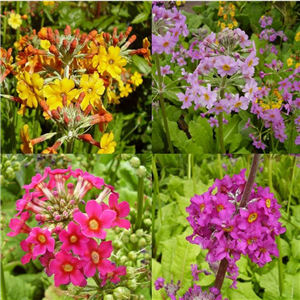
<point x="18" y="226"/>
<point x="45" y="261"/>
<point x="185" y="98"/>
<point x="248" y="65"/>
<point x="122" y="210"/>
<point x="66" y="269"/>
<point x="42" y="241"/>
<point x="27" y="247"/>
<point x="163" y="43"/>
<point x="97" y="219"/>
<point x="96" y="258"/>
<point x="207" y="96"/>
<point x="73" y="239"/>
<point x="113" y="276"/>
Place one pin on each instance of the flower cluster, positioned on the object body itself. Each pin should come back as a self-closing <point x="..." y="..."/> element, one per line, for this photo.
<point x="70" y="244"/>
<point x="228" y="230"/>
<point x="72" y="76"/>
<point x="225" y="59"/>
<point x="227" y="12"/>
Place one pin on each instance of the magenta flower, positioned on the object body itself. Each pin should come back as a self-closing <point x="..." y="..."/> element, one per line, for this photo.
<point x="42" y="241"/>
<point x="66" y="269"/>
<point x="27" y="247"/>
<point x="122" y="210"/>
<point x="18" y="225"/>
<point x="226" y="65"/>
<point x="73" y="239"/>
<point x="45" y="261"/>
<point x="95" y="257"/>
<point x="92" y="225"/>
<point x="113" y="276"/>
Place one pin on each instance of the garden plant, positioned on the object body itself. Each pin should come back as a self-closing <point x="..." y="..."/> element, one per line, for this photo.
<point x="73" y="234"/>
<point x="226" y="77"/>
<point x="226" y="227"/>
<point x="65" y="69"/>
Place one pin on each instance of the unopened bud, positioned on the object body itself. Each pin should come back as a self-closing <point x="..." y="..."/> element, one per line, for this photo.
<point x="141" y="172"/>
<point x="135" y="162"/>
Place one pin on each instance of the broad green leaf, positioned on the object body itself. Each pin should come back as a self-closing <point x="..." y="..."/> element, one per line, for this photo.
<point x="235" y="142"/>
<point x="295" y="243"/>
<point x="269" y="282"/>
<point x="244" y="291"/>
<point x="192" y="148"/>
<point x="182" y="202"/>
<point x="140" y="18"/>
<point x="55" y="293"/>
<point x="141" y="64"/>
<point x="178" y="137"/>
<point x="231" y="128"/>
<point x="156" y="272"/>
<point x="291" y="286"/>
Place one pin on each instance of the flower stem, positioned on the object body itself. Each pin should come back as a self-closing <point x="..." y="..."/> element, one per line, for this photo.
<point x="193" y="173"/>
<point x="221" y="136"/>
<point x="220" y="165"/>
<point x="156" y="187"/>
<point x="245" y="197"/>
<point x="162" y="103"/>
<point x="3" y="286"/>
<point x="140" y="202"/>
<point x="18" y="12"/>
<point x="278" y="241"/>
<point x="66" y="71"/>
<point x="189" y="166"/>
<point x="97" y="280"/>
<point x="4" y="30"/>
<point x="70" y="146"/>
<point x="291" y="188"/>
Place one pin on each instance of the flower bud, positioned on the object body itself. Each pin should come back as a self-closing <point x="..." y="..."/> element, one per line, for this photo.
<point x="139" y="232"/>
<point x="135" y="162"/>
<point x="142" y="243"/>
<point x="132" y="284"/>
<point x="125" y="156"/>
<point x="117" y="244"/>
<point x="109" y="297"/>
<point x="148" y="222"/>
<point x="130" y="272"/>
<point x="132" y="255"/>
<point x="9" y="170"/>
<point x="123" y="259"/>
<point x="121" y="293"/>
<point x="133" y="238"/>
<point x="17" y="166"/>
<point x="141" y="172"/>
<point x="7" y="163"/>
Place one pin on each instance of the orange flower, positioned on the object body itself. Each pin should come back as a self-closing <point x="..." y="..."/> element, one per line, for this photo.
<point x="26" y="147"/>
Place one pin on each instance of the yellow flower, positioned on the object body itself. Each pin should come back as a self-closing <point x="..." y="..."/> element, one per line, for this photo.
<point x="290" y="62"/>
<point x="54" y="92"/>
<point x="29" y="88"/>
<point x="14" y="21"/>
<point x="297" y="37"/>
<point x="230" y="26"/>
<point x="26" y="147"/>
<point x="48" y="3"/>
<point x="178" y="3"/>
<point x="125" y="90"/>
<point x="93" y="87"/>
<point x="297" y="65"/>
<point x="45" y="44"/>
<point x="136" y="79"/>
<point x="235" y="24"/>
<point x="110" y="61"/>
<point x="112" y="97"/>
<point x="223" y="25"/>
<point x="107" y="143"/>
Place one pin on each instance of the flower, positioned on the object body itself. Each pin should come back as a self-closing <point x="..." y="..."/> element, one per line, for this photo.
<point x="45" y="44"/>
<point x="113" y="276"/>
<point x="92" y="225"/>
<point x="27" y="247"/>
<point x="26" y="147"/>
<point x="14" y="20"/>
<point x="29" y="88"/>
<point x="226" y="65"/>
<point x="159" y="283"/>
<point x="110" y="61"/>
<point x="95" y="257"/>
<point x="136" y="79"/>
<point x="107" y="143"/>
<point x="125" y="90"/>
<point x="42" y="241"/>
<point x="54" y="92"/>
<point x="18" y="225"/>
<point x="66" y="269"/>
<point x="93" y="87"/>
<point x="48" y="3"/>
<point x="73" y="239"/>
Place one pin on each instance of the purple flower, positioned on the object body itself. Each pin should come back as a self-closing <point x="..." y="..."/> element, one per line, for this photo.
<point x="159" y="283"/>
<point x="207" y="96"/>
<point x="213" y="122"/>
<point x="185" y="98"/>
<point x="165" y="70"/>
<point x="259" y="145"/>
<point x="226" y="65"/>
<point x="163" y="44"/>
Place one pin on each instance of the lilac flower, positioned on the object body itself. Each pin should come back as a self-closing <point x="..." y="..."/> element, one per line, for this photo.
<point x="159" y="283"/>
<point x="185" y="98"/>
<point x="166" y="70"/>
<point x="297" y="140"/>
<point x="259" y="145"/>
<point x="213" y="122"/>
<point x="248" y="66"/>
<point x="226" y="65"/>
<point x="163" y="44"/>
<point x="207" y="97"/>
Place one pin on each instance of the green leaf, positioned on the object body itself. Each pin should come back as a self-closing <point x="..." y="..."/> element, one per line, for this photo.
<point x="55" y="293"/>
<point x="244" y="291"/>
<point x="236" y="140"/>
<point x="231" y="128"/>
<point x="269" y="282"/>
<point x="141" y="64"/>
<point x="178" y="137"/>
<point x="295" y="248"/>
<point x="140" y="18"/>
<point x="156" y="272"/>
<point x="291" y="286"/>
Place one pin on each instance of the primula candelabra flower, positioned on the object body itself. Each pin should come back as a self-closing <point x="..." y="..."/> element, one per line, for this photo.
<point x="65" y="240"/>
<point x="228" y="230"/>
<point x="68" y="75"/>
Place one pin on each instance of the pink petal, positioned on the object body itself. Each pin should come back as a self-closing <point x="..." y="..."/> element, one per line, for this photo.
<point x="90" y="269"/>
<point x="105" y="249"/>
<point x="26" y="258"/>
<point x="113" y="200"/>
<point x="124" y="209"/>
<point x="107" y="217"/>
<point x="93" y="208"/>
<point x="77" y="278"/>
<point x="61" y="278"/>
<point x="105" y="266"/>
<point x="81" y="218"/>
<point x="122" y="223"/>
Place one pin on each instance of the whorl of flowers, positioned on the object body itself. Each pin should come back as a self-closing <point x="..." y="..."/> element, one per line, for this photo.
<point x="67" y="241"/>
<point x="228" y="230"/>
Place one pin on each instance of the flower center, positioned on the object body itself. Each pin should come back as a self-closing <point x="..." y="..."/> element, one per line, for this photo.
<point x="263" y="250"/>
<point x="220" y="207"/>
<point x="186" y="98"/>
<point x="252" y="217"/>
<point x="89" y="91"/>
<point x="251" y="241"/>
<point x="226" y="67"/>
<point x="228" y="228"/>
<point x="95" y="257"/>
<point x="206" y="97"/>
<point x="268" y="203"/>
<point x="94" y="224"/>
<point x="250" y="63"/>
<point x="67" y="268"/>
<point x="238" y="104"/>
<point x="41" y="238"/>
<point x="166" y="44"/>
<point x="73" y="239"/>
<point x="111" y="61"/>
<point x="202" y="206"/>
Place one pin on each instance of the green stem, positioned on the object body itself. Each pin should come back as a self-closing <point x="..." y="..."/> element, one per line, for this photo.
<point x="156" y="187"/>
<point x="278" y="241"/>
<point x="18" y="12"/>
<point x="4" y="30"/>
<point x="35" y="124"/>
<point x="3" y="286"/>
<point x="140" y="202"/>
<point x="12" y="128"/>
<point x="220" y="165"/>
<point x="193" y="173"/>
<point x="221" y="136"/>
<point x="189" y="171"/>
<point x="70" y="146"/>
<point x="154" y="198"/>
<point x="162" y="103"/>
<point x="97" y="280"/>
<point x="43" y="21"/>
<point x="291" y="188"/>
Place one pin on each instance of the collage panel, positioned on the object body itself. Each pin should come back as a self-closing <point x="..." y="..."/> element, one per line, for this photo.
<point x="226" y="227"/>
<point x="226" y="77"/>
<point x="75" y="77"/>
<point x="76" y="227"/>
